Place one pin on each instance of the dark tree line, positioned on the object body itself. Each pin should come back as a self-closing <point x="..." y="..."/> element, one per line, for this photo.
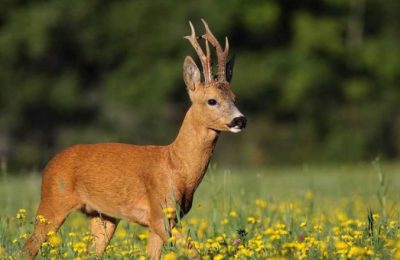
<point x="319" y="80"/>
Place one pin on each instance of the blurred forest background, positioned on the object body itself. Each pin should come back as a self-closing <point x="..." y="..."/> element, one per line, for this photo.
<point x="318" y="80"/>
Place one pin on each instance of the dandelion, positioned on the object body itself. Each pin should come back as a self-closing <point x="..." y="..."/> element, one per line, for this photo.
<point x="72" y="234"/>
<point x="170" y="256"/>
<point x="218" y="257"/>
<point x="143" y="235"/>
<point x="121" y="233"/>
<point x="21" y="214"/>
<point x="80" y="247"/>
<point x="193" y="221"/>
<point x="356" y="251"/>
<point x="251" y="220"/>
<point x="233" y="214"/>
<point x="375" y="217"/>
<point x="341" y="247"/>
<point x="23" y="235"/>
<point x="261" y="203"/>
<point x="169" y="212"/>
<point x="54" y="240"/>
<point x="41" y="219"/>
<point x="309" y="195"/>
<point x="393" y="224"/>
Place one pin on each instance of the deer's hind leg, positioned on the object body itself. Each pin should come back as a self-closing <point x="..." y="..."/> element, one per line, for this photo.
<point x="102" y="228"/>
<point x="50" y="216"/>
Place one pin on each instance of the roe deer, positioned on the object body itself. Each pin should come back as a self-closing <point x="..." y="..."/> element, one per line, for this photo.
<point x="111" y="181"/>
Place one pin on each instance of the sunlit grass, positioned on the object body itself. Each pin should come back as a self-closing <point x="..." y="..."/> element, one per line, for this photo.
<point x="298" y="212"/>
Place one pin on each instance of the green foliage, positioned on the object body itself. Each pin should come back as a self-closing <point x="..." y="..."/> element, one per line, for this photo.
<point x="319" y="81"/>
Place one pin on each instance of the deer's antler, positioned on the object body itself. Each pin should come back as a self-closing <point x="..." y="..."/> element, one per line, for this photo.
<point x="206" y="58"/>
<point x="221" y="54"/>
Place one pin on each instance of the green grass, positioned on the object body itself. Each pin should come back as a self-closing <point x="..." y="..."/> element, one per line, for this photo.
<point x="296" y="194"/>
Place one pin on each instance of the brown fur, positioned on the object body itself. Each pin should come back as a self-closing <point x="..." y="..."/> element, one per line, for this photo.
<point x="111" y="181"/>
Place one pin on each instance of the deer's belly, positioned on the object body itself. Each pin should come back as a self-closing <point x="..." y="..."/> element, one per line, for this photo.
<point x="134" y="210"/>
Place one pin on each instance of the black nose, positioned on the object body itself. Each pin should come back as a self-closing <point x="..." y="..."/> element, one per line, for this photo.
<point x="239" y="121"/>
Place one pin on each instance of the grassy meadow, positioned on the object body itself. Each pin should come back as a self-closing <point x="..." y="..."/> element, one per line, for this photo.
<point x="297" y="212"/>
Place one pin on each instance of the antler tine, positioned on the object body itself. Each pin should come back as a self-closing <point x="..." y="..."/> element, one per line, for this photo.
<point x="208" y="53"/>
<point x="226" y="47"/>
<point x="205" y="60"/>
<point x="221" y="55"/>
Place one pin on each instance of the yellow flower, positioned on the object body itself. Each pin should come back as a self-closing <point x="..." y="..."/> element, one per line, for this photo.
<point x="80" y="247"/>
<point x="2" y="250"/>
<point x="309" y="195"/>
<point x="268" y="231"/>
<point x="233" y="214"/>
<point x="54" y="240"/>
<point x="251" y="220"/>
<point x="357" y="234"/>
<point x="280" y="226"/>
<point x="220" y="238"/>
<point x="224" y="221"/>
<point x="261" y="203"/>
<point x="170" y="256"/>
<point x="88" y="238"/>
<point x="193" y="221"/>
<point x="218" y="257"/>
<point x="341" y="247"/>
<point x="143" y="235"/>
<point x="356" y="251"/>
<point x="370" y="252"/>
<point x="41" y="219"/>
<point x="121" y="233"/>
<point x="169" y="212"/>
<point x="392" y="224"/>
<point x="23" y="235"/>
<point x="245" y="252"/>
<point x="215" y="245"/>
<point x="21" y="214"/>
<point x="72" y="234"/>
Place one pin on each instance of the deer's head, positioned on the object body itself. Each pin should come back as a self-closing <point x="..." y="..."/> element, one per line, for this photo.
<point x="213" y="102"/>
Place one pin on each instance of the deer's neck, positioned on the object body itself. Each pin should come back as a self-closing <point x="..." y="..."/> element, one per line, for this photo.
<point x="191" y="152"/>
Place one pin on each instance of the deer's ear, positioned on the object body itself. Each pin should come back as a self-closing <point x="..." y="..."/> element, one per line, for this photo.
<point x="229" y="68"/>
<point x="191" y="73"/>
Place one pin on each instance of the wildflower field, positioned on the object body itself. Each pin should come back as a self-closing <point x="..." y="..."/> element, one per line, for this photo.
<point x="307" y="212"/>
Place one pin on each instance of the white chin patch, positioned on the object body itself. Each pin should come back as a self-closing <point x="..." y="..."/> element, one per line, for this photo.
<point x="235" y="129"/>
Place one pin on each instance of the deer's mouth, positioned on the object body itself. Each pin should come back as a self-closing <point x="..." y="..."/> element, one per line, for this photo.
<point x="235" y="129"/>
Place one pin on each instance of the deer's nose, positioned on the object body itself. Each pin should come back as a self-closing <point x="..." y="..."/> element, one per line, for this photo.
<point x="240" y="122"/>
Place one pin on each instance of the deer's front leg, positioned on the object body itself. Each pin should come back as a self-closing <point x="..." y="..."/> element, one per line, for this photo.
<point x="157" y="237"/>
<point x="154" y="246"/>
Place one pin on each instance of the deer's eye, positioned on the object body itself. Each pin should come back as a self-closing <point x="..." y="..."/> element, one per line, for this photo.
<point x="212" y="102"/>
